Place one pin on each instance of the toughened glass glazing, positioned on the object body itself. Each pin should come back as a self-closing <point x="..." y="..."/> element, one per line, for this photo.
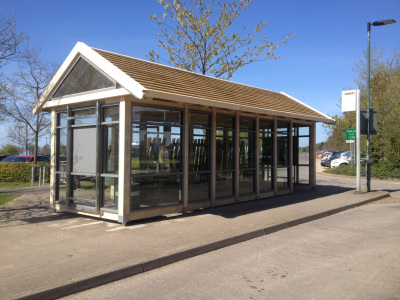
<point x="111" y="147"/>
<point x="82" y="78"/>
<point x="111" y="113"/>
<point x="224" y="186"/>
<point x="156" y="149"/>
<point x="110" y="193"/>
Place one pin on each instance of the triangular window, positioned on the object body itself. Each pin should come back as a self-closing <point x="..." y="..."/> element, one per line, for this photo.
<point x="83" y="77"/>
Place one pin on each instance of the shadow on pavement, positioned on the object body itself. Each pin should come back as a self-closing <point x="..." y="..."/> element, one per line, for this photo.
<point x="30" y="209"/>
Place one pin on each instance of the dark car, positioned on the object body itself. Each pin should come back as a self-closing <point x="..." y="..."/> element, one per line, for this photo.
<point x="26" y="158"/>
<point x="3" y="157"/>
<point x="326" y="161"/>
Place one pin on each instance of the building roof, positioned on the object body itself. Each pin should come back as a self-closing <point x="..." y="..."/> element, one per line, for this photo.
<point x="146" y="79"/>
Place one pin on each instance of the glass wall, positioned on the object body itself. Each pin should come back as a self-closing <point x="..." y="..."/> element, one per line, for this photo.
<point x="199" y="156"/>
<point x="156" y="157"/>
<point x="61" y="158"/>
<point x="83" y="157"/>
<point x="301" y="154"/>
<point x="110" y="157"/>
<point x="247" y="155"/>
<point x="225" y="155"/>
<point x="283" y="159"/>
<point x="266" y="149"/>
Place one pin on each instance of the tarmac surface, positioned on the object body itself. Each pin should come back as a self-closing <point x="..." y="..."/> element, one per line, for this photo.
<point x="46" y="255"/>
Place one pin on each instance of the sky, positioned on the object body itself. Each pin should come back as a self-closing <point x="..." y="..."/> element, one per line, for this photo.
<point x="314" y="67"/>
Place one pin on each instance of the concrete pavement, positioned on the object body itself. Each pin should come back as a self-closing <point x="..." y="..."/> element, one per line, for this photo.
<point x="46" y="255"/>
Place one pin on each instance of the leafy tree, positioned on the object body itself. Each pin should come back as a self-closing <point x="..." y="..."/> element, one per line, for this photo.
<point x="385" y="97"/>
<point x="22" y="90"/>
<point x="201" y="41"/>
<point x="9" y="149"/>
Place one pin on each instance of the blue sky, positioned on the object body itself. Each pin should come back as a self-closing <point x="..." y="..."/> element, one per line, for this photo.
<point x="314" y="67"/>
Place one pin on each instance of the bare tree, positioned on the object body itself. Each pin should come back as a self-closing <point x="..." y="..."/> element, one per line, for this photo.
<point x="10" y="40"/>
<point x="22" y="90"/>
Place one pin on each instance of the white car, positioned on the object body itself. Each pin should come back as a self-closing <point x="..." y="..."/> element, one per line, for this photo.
<point x="339" y="162"/>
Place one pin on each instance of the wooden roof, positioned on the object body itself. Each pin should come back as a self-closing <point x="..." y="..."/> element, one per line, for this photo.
<point x="157" y="77"/>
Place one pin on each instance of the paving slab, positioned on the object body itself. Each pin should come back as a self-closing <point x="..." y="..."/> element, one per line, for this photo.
<point x="46" y="255"/>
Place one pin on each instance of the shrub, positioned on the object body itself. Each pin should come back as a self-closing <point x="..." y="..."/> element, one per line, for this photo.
<point x="20" y="172"/>
<point x="379" y="170"/>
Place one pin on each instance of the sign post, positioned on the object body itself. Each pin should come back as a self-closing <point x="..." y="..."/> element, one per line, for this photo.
<point x="351" y="102"/>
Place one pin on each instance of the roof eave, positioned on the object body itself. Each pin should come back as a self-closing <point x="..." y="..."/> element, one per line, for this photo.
<point x="155" y="94"/>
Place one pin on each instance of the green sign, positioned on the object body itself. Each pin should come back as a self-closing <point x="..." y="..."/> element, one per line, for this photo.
<point x="350" y="135"/>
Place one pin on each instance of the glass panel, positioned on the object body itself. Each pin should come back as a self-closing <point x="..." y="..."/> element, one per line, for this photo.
<point x="110" y="193"/>
<point x="265" y="179"/>
<point x="302" y="174"/>
<point x="199" y="119"/>
<point x="85" y="116"/>
<point x="246" y="182"/>
<point x="225" y="150"/>
<point x="199" y="149"/>
<point x="84" y="190"/>
<point x="82" y="78"/>
<point x="156" y="149"/>
<point x="84" y="150"/>
<point x="265" y="143"/>
<point x="111" y="147"/>
<point x="247" y="124"/>
<point x="247" y="150"/>
<point x="304" y="150"/>
<point x="225" y="122"/>
<point x="111" y="113"/>
<point x="224" y="186"/>
<point x="282" y="177"/>
<point x="199" y="186"/>
<point x="61" y="160"/>
<point x="62" y="119"/>
<point x="61" y="191"/>
<point x="151" y="191"/>
<point x="155" y="115"/>
<point x="303" y="130"/>
<point x="283" y="144"/>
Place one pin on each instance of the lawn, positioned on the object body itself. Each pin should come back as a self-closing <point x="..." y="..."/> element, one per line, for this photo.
<point x="6" y="185"/>
<point x="4" y="198"/>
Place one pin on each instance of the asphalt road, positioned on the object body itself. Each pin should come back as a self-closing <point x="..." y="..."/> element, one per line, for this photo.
<point x="351" y="255"/>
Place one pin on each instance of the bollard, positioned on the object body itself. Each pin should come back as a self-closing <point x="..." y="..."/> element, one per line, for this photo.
<point x="44" y="175"/>
<point x="33" y="173"/>
<point x="40" y="175"/>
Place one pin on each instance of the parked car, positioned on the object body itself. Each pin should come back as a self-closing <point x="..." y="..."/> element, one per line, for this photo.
<point x="339" y="162"/>
<point x="3" y="156"/>
<point x="26" y="158"/>
<point x="326" y="161"/>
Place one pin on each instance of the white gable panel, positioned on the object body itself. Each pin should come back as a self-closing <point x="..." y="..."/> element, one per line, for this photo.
<point x="97" y="60"/>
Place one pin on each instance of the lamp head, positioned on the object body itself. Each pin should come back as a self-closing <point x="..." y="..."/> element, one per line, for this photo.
<point x="383" y="22"/>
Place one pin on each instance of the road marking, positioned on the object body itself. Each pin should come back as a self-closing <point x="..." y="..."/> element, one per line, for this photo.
<point x="82" y="225"/>
<point x="136" y="226"/>
<point x="115" y="229"/>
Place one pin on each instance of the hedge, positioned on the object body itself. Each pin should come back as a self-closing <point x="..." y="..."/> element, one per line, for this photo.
<point x="20" y="172"/>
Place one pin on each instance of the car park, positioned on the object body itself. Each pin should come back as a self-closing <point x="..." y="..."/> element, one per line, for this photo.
<point x="26" y="158"/>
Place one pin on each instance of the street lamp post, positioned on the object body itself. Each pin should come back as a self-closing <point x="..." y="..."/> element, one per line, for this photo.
<point x="368" y="165"/>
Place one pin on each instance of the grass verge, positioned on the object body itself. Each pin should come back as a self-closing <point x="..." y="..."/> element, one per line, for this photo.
<point x="4" y="198"/>
<point x="380" y="171"/>
<point x="6" y="185"/>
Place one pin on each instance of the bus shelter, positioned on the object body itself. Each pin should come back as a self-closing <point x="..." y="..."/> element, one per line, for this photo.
<point x="133" y="139"/>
